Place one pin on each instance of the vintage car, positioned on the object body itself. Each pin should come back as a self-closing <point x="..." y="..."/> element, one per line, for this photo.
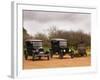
<point x="59" y="47"/>
<point x="82" y="49"/>
<point x="35" y="49"/>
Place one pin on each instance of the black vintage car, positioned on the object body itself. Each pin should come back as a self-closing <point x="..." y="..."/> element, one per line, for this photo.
<point x="59" y="46"/>
<point x="35" y="49"/>
<point x="82" y="49"/>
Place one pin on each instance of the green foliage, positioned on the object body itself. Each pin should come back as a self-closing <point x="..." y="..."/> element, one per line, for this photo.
<point x="43" y="37"/>
<point x="73" y="38"/>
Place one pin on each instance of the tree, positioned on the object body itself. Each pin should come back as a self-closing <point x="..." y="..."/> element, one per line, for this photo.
<point x="43" y="37"/>
<point x="73" y="37"/>
<point x="25" y="36"/>
<point x="52" y="32"/>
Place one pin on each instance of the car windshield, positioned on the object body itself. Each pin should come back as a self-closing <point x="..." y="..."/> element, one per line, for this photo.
<point x="63" y="43"/>
<point x="37" y="44"/>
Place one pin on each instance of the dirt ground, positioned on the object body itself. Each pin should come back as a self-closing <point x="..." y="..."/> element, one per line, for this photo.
<point x="56" y="62"/>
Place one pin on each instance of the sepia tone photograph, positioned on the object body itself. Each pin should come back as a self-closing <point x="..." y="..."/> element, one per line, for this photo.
<point x="54" y="39"/>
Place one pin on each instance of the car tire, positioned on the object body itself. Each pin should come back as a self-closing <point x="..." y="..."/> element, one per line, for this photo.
<point x="48" y="58"/>
<point x="72" y="55"/>
<point x="33" y="56"/>
<point x="85" y="54"/>
<point x="61" y="55"/>
<point x="26" y="55"/>
<point x="81" y="54"/>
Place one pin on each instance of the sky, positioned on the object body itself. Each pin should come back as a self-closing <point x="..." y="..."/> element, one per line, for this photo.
<point x="40" y="21"/>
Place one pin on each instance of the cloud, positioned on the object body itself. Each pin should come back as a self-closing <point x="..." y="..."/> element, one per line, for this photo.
<point x="38" y="21"/>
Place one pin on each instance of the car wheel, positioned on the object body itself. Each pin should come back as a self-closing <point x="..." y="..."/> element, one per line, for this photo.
<point x="81" y="54"/>
<point x="72" y="55"/>
<point x="48" y="57"/>
<point x="33" y="56"/>
<point x="39" y="57"/>
<point x="85" y="54"/>
<point x="26" y="55"/>
<point x="61" y="55"/>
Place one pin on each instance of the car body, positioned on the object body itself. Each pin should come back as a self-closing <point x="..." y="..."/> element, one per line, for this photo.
<point x="82" y="49"/>
<point x="35" y="49"/>
<point x="59" y="46"/>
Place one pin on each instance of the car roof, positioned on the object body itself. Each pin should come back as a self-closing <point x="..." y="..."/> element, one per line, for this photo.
<point x="33" y="40"/>
<point x="58" y="39"/>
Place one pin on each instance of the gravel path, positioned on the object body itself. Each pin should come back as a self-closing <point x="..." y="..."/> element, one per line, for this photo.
<point x="56" y="62"/>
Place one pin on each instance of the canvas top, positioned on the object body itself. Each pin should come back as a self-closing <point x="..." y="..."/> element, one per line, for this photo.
<point x="34" y="40"/>
<point x="58" y="39"/>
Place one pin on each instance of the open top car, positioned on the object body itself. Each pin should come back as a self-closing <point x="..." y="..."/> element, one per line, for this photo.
<point x="59" y="46"/>
<point x="35" y="49"/>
